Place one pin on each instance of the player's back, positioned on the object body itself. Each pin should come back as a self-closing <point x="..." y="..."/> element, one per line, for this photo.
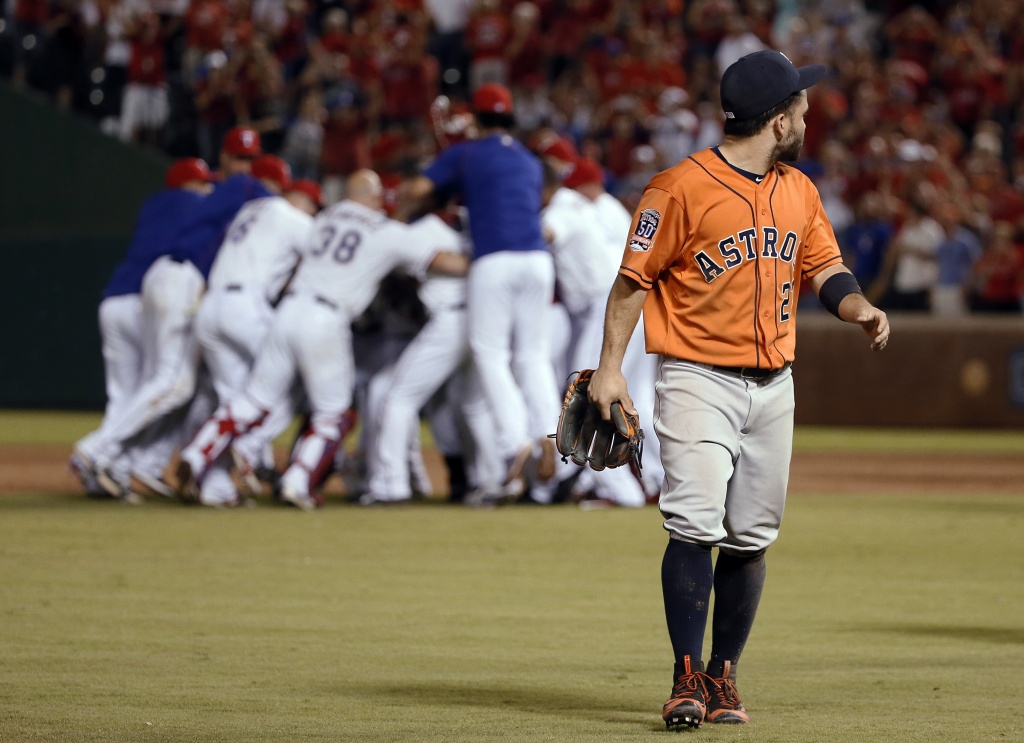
<point x="261" y="247"/>
<point x="350" y="250"/>
<point x="158" y="223"/>
<point x="585" y="265"/>
<point x="201" y="234"/>
<point x="500" y="182"/>
<point x="614" y="219"/>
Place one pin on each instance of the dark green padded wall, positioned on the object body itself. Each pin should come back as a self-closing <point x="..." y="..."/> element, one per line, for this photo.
<point x="69" y="196"/>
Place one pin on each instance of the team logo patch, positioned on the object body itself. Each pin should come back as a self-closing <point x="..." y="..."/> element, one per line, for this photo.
<point x="643" y="236"/>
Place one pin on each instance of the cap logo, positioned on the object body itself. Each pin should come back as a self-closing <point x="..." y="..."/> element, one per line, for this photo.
<point x="247" y="138"/>
<point x="730" y="115"/>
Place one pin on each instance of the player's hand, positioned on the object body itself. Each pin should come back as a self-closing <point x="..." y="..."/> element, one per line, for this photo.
<point x="607" y="386"/>
<point x="875" y="324"/>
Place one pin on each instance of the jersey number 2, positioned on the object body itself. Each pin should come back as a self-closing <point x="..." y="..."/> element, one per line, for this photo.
<point x="343" y="245"/>
<point x="784" y="309"/>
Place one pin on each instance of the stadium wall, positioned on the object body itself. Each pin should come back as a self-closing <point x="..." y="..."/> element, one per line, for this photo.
<point x="963" y="372"/>
<point x="68" y="200"/>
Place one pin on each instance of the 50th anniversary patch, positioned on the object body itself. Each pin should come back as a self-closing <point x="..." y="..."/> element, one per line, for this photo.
<point x="646" y="226"/>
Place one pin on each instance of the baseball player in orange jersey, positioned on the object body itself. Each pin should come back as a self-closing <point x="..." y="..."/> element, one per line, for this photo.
<point x="716" y="253"/>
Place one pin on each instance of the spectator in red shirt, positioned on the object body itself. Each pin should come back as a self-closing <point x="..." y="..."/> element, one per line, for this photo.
<point x="999" y="274"/>
<point x="144" y="108"/>
<point x="260" y="103"/>
<point x="216" y="93"/>
<point x="487" y="34"/>
<point x="526" y="50"/>
<point x="346" y="144"/>
<point x="409" y="79"/>
<point x="205" y="25"/>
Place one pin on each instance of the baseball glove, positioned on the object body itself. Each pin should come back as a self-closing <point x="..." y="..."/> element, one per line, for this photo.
<point x="586" y="438"/>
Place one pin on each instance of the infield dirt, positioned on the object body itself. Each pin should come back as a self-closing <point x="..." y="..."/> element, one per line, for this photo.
<point x="43" y="468"/>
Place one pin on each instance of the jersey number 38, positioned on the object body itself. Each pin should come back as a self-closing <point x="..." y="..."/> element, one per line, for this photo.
<point x="342" y="246"/>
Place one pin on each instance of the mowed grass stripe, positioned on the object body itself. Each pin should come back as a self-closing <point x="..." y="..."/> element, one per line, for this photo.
<point x="884" y="618"/>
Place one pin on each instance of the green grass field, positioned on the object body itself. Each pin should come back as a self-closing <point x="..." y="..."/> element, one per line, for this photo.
<point x="885" y="618"/>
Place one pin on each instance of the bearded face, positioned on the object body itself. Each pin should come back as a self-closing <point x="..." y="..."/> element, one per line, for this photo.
<point x="788" y="150"/>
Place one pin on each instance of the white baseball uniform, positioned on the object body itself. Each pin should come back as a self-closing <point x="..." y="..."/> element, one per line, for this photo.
<point x="260" y="251"/>
<point x="639" y="367"/>
<point x="122" y="330"/>
<point x="171" y="291"/>
<point x="351" y="249"/>
<point x="436" y="353"/>
<point x="585" y="268"/>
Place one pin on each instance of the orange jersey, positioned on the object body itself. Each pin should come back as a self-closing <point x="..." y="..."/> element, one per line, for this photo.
<point x="723" y="258"/>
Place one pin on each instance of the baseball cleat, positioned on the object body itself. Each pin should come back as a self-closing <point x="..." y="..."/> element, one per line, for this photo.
<point x="108" y="484"/>
<point x="188" y="488"/>
<point x="143" y="483"/>
<point x="131" y="498"/>
<point x="724" y="705"/>
<point x="244" y="476"/>
<point x="687" y="705"/>
<point x="293" y="497"/>
<point x="482" y="499"/>
<point x="371" y="500"/>
<point x="546" y="462"/>
<point x="84" y="470"/>
<point x="517" y="480"/>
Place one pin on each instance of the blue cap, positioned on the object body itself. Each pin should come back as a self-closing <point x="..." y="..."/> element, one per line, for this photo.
<point x="760" y="81"/>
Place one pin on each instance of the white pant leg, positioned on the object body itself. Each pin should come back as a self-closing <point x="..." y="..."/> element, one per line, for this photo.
<point x="424" y="366"/>
<point x="561" y="341"/>
<point x="509" y="293"/>
<point x="531" y="347"/>
<point x="268" y="389"/>
<point x="320" y="339"/>
<point x="726" y="444"/>
<point x="486" y="467"/>
<point x="231" y="328"/>
<point x="151" y="452"/>
<point x="122" y="329"/>
<point x="170" y="297"/>
<point x="587" y="352"/>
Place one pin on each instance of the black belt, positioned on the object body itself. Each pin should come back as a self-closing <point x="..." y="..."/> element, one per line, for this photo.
<point x="748" y="372"/>
<point x="317" y="298"/>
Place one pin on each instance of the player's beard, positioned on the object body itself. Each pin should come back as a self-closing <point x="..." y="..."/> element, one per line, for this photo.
<point x="788" y="150"/>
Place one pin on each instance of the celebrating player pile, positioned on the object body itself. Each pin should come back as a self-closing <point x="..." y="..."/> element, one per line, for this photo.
<point x="717" y="249"/>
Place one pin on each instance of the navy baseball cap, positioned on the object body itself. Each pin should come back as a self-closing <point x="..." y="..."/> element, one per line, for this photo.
<point x="755" y="83"/>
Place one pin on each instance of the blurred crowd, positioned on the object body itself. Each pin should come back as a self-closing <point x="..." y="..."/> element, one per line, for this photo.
<point x="916" y="142"/>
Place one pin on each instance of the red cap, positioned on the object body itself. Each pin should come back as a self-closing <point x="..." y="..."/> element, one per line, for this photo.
<point x="561" y="149"/>
<point x="242" y="141"/>
<point x="492" y="98"/>
<point x="272" y="168"/>
<point x="185" y="170"/>
<point x="585" y="171"/>
<point x="310" y="188"/>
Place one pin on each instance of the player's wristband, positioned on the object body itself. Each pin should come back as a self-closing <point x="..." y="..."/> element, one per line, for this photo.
<point x="836" y="288"/>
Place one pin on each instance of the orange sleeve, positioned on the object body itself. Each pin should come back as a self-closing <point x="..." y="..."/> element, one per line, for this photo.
<point x="820" y="249"/>
<point x="656" y="237"/>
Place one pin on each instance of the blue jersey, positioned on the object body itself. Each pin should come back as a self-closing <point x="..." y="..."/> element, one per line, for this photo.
<point x="158" y="223"/>
<point x="201" y="235"/>
<point x="500" y="183"/>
